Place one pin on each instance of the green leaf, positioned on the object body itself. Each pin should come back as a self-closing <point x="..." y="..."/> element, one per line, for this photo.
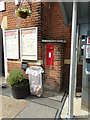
<point x="15" y="76"/>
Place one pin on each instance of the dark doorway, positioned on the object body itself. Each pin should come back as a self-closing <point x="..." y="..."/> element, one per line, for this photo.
<point x="1" y="54"/>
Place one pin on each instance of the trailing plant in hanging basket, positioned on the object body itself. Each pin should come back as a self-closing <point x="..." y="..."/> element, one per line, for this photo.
<point x="23" y="12"/>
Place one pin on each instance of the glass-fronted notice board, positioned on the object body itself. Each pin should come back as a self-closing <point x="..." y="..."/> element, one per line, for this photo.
<point x="28" y="43"/>
<point x="11" y="44"/>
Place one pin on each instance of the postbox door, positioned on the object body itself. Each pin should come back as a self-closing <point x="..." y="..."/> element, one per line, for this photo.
<point x="49" y="55"/>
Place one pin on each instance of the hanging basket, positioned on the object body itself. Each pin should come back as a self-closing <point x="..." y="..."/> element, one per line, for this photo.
<point x="23" y="13"/>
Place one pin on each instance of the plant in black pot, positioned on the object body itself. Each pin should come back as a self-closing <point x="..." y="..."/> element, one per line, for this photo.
<point x="19" y="85"/>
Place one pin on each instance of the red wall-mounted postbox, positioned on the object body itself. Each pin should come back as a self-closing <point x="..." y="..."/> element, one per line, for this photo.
<point x="49" y="55"/>
<point x="88" y="40"/>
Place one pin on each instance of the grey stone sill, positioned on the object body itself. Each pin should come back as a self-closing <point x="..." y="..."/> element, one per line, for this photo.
<point x="61" y="41"/>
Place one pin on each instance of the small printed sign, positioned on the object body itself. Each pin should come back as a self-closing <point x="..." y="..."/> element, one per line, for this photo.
<point x="88" y="51"/>
<point x="16" y="2"/>
<point x="49" y="54"/>
<point x="2" y="5"/>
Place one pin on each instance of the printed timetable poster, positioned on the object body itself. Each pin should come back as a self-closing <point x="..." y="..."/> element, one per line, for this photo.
<point x="12" y="44"/>
<point x="28" y="43"/>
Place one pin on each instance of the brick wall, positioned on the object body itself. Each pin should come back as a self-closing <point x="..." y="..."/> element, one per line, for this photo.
<point x="79" y="77"/>
<point x="49" y="20"/>
<point x="52" y="77"/>
<point x="44" y="19"/>
<point x="54" y="29"/>
<point x="65" y="83"/>
<point x="53" y="24"/>
<point x="12" y="65"/>
<point x="14" y="22"/>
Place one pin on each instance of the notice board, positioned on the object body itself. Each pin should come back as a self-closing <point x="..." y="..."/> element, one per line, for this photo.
<point x="11" y="44"/>
<point x="28" y="43"/>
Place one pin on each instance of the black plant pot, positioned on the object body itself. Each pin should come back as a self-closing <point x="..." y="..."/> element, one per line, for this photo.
<point x="20" y="91"/>
<point x="23" y="14"/>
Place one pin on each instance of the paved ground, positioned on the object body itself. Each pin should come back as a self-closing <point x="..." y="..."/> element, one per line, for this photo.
<point x="48" y="106"/>
<point x="34" y="110"/>
<point x="10" y="106"/>
<point x="51" y="105"/>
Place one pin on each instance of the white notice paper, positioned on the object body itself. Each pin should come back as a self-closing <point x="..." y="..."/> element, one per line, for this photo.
<point x="12" y="47"/>
<point x="29" y="44"/>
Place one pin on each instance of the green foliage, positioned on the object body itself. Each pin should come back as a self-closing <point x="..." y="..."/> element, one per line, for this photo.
<point x="16" y="76"/>
<point x="22" y="11"/>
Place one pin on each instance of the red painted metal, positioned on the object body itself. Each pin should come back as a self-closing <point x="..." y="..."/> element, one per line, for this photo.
<point x="49" y="54"/>
<point x="88" y="40"/>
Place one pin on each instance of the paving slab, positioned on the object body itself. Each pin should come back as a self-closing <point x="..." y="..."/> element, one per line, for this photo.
<point x="58" y="96"/>
<point x="11" y="107"/>
<point x="6" y="91"/>
<point x="78" y="112"/>
<point x="34" y="110"/>
<point x="45" y="101"/>
<point x="2" y="80"/>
